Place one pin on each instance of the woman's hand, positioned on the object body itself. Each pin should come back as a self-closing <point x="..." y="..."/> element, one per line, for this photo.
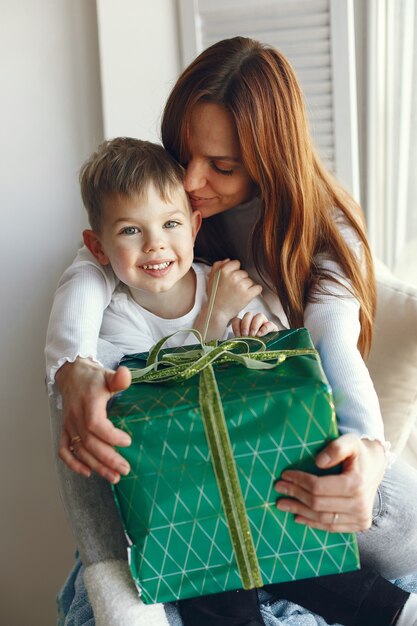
<point x="342" y="502"/>
<point x="87" y="434"/>
<point x="252" y="325"/>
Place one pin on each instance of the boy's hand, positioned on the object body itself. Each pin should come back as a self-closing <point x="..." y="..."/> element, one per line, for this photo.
<point x="252" y="325"/>
<point x="88" y="436"/>
<point x="235" y="289"/>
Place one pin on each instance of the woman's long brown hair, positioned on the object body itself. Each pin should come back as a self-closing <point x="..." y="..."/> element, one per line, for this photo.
<point x="257" y="85"/>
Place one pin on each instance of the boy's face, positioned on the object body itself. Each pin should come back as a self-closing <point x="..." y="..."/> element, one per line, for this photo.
<point x="148" y="242"/>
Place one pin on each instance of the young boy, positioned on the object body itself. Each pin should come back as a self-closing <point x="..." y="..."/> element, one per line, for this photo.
<point x="142" y="226"/>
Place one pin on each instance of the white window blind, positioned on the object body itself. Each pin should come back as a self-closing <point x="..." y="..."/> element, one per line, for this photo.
<point x="317" y="36"/>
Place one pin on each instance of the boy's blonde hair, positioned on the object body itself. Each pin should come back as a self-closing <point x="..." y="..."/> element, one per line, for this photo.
<point x="127" y="166"/>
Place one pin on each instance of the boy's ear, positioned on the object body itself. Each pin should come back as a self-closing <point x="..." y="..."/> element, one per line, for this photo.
<point x="93" y="243"/>
<point x="196" y="220"/>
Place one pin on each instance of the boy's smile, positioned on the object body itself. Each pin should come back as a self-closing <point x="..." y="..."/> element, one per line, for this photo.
<point x="149" y="242"/>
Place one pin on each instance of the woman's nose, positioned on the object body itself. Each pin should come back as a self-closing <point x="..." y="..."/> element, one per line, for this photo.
<point x="195" y="176"/>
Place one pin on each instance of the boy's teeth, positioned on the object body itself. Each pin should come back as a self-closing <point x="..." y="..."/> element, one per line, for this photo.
<point x="159" y="266"/>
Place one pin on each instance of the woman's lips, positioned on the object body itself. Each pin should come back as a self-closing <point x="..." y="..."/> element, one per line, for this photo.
<point x="197" y="201"/>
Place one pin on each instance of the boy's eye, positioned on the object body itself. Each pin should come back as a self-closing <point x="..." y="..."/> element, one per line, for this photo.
<point x="171" y="224"/>
<point x="130" y="230"/>
<point x="221" y="170"/>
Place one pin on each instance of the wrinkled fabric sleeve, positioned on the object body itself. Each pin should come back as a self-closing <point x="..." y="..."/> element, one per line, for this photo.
<point x="84" y="291"/>
<point x="333" y="321"/>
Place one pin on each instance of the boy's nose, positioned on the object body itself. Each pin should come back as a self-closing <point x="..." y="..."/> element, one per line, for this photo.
<point x="195" y="176"/>
<point x="152" y="244"/>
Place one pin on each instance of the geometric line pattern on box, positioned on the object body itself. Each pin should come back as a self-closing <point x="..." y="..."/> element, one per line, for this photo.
<point x="170" y="504"/>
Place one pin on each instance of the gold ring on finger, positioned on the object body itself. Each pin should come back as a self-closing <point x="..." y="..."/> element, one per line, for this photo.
<point x="73" y="441"/>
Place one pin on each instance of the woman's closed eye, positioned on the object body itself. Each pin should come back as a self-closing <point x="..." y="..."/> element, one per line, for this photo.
<point x="221" y="170"/>
<point x="217" y="166"/>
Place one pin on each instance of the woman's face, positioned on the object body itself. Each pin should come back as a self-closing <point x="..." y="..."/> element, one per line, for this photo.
<point x="215" y="178"/>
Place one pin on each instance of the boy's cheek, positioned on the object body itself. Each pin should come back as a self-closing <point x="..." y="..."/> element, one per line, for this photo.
<point x="122" y="259"/>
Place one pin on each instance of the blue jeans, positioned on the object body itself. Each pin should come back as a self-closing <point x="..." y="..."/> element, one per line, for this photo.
<point x="390" y="546"/>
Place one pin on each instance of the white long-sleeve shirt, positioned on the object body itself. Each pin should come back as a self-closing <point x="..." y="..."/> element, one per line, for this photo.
<point x="85" y="290"/>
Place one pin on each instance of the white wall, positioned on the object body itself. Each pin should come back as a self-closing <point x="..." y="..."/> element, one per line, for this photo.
<point x="139" y="63"/>
<point x="50" y="120"/>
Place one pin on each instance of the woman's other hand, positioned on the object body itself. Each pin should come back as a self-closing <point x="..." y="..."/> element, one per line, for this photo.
<point x="88" y="436"/>
<point x="341" y="502"/>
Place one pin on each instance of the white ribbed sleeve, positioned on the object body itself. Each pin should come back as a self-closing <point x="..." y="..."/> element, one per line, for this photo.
<point x="333" y="322"/>
<point x="83" y="292"/>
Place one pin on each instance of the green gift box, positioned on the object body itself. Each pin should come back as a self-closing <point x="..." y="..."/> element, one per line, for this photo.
<point x="198" y="506"/>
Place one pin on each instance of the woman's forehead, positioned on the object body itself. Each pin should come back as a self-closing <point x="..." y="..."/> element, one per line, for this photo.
<point x="212" y="131"/>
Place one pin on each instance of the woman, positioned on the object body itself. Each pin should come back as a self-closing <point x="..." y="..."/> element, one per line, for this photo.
<point x="236" y="121"/>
